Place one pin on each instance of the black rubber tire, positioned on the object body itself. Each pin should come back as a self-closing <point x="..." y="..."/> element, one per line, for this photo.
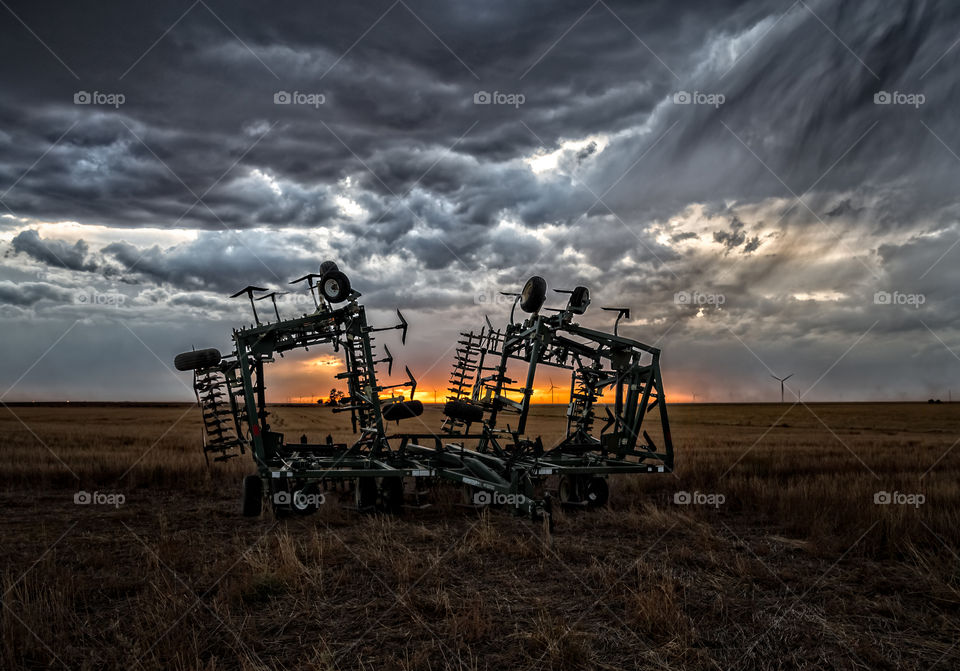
<point x="579" y="300"/>
<point x="533" y="295"/>
<point x="394" y="412"/>
<point x="327" y="266"/>
<point x="568" y="491"/>
<point x="462" y="410"/>
<point x="335" y="286"/>
<point x="391" y="495"/>
<point x="596" y="492"/>
<point x="197" y="359"/>
<point x="365" y="493"/>
<point x="251" y="502"/>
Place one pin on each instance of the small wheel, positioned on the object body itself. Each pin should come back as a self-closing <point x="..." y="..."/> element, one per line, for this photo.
<point x="394" y="412"/>
<point x="365" y="493"/>
<point x="197" y="359"/>
<point x="569" y="489"/>
<point x="534" y="294"/>
<point x="335" y="286"/>
<point x="597" y="492"/>
<point x="579" y="300"/>
<point x="467" y="412"/>
<point x="327" y="266"/>
<point x="251" y="503"/>
<point x="391" y="494"/>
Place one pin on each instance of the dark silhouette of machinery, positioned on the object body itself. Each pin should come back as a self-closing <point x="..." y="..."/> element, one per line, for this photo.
<point x="482" y="444"/>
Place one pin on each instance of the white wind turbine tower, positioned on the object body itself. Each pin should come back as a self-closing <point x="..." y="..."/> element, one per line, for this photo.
<point x="781" y="380"/>
<point x="552" y="387"/>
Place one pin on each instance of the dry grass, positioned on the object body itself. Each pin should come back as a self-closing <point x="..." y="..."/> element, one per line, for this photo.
<point x="798" y="568"/>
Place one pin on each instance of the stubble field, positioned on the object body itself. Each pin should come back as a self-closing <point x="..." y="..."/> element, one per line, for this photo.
<point x="787" y="554"/>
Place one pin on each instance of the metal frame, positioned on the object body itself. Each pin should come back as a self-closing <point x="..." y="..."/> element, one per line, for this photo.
<point x="501" y="461"/>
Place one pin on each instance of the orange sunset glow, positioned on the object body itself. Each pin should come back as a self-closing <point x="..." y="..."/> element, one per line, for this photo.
<point x="295" y="379"/>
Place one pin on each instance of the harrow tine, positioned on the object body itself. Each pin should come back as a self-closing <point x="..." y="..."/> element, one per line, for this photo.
<point x="248" y="290"/>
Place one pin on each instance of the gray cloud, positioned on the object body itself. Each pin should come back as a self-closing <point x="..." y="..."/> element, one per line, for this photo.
<point x="798" y="198"/>
<point x="24" y="294"/>
<point x="55" y="253"/>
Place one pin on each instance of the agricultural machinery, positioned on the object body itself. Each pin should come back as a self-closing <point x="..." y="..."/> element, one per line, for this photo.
<point x="482" y="444"/>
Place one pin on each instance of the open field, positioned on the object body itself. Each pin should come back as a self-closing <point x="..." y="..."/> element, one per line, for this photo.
<point x="793" y="565"/>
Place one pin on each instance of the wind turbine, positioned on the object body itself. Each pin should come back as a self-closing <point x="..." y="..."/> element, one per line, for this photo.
<point x="552" y="387"/>
<point x="781" y="380"/>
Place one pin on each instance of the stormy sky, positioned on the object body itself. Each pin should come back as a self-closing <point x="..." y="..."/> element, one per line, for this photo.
<point x="770" y="186"/>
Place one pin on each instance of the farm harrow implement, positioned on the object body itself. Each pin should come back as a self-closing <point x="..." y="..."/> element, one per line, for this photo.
<point x="482" y="444"/>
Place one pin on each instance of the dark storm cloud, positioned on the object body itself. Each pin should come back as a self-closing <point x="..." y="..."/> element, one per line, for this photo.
<point x="194" y="99"/>
<point x="55" y="253"/>
<point x="431" y="200"/>
<point x="199" y="100"/>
